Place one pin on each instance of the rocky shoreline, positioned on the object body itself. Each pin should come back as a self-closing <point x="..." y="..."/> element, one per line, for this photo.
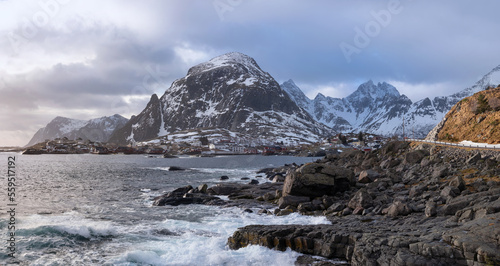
<point x="400" y="205"/>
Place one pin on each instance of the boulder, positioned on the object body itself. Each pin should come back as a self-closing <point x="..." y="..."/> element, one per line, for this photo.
<point x="450" y="191"/>
<point x="440" y="171"/>
<point x="289" y="200"/>
<point x="307" y="207"/>
<point x="316" y="180"/>
<point x="457" y="182"/>
<point x="278" y="178"/>
<point x="398" y="208"/>
<point x="336" y="207"/>
<point x="415" y="157"/>
<point x="394" y="147"/>
<point x="224" y="177"/>
<point x="368" y="176"/>
<point x="183" y="189"/>
<point x="361" y="199"/>
<point x="203" y="188"/>
<point x="430" y="209"/>
<point x="474" y="158"/>
<point x="221" y="189"/>
<point x="284" y="212"/>
<point x="390" y="163"/>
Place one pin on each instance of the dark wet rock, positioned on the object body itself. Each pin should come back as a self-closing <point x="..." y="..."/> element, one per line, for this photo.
<point x="224" y="177"/>
<point x="176" y="199"/>
<point x="165" y="232"/>
<point x="383" y="241"/>
<point x="307" y="207"/>
<point x="177" y="168"/>
<point x="284" y="212"/>
<point x="253" y="182"/>
<point x="183" y="189"/>
<point x="306" y="260"/>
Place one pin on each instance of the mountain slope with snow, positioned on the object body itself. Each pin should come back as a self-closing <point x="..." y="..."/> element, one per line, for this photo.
<point x="379" y="108"/>
<point x="98" y="129"/>
<point x="229" y="92"/>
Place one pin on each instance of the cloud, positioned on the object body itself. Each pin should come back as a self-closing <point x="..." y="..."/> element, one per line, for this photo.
<point x="91" y="58"/>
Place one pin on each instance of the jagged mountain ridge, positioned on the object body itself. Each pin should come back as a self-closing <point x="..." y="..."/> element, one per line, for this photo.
<point x="369" y="108"/>
<point x="379" y="108"/>
<point x="98" y="129"/>
<point x="229" y="92"/>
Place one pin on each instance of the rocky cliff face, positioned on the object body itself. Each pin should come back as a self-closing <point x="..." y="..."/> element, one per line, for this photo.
<point x="475" y="118"/>
<point x="379" y="108"/>
<point x="99" y="129"/>
<point x="230" y="92"/>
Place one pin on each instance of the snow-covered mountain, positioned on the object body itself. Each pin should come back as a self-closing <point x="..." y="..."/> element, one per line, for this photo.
<point x="229" y="92"/>
<point x="368" y="109"/>
<point x="380" y="108"/>
<point x="98" y="129"/>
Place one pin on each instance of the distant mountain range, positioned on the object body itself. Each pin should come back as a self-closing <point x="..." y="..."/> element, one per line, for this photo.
<point x="380" y="108"/>
<point x="99" y="129"/>
<point x="231" y="92"/>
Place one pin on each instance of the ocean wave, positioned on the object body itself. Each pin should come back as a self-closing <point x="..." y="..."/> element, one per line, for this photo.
<point x="69" y="224"/>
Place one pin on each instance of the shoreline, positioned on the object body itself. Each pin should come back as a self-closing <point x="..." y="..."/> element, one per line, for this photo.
<point x="399" y="205"/>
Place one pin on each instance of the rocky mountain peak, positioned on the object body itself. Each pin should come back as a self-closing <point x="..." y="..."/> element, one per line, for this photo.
<point x="228" y="92"/>
<point x="369" y="90"/>
<point x="319" y="97"/>
<point x="228" y="60"/>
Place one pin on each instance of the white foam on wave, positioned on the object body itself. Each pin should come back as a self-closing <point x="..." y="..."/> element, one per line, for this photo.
<point x="71" y="223"/>
<point x="204" y="242"/>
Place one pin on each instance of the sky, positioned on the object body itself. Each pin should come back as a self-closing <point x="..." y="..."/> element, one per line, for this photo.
<point x="88" y="59"/>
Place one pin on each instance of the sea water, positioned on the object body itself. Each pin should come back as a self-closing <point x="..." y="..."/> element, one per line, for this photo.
<point x="97" y="210"/>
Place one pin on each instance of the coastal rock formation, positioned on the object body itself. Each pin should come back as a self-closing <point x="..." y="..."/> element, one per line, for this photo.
<point x="427" y="206"/>
<point x="316" y="180"/>
<point x="420" y="205"/>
